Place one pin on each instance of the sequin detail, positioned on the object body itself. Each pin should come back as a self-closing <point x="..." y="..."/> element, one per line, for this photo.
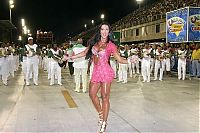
<point x="102" y="71"/>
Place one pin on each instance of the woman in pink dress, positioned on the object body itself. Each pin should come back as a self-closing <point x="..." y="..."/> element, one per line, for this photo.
<point x="100" y="48"/>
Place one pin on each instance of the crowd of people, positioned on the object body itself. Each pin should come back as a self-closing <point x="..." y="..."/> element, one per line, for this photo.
<point x="101" y="65"/>
<point x="151" y="13"/>
<point x="163" y="58"/>
<point x="9" y="62"/>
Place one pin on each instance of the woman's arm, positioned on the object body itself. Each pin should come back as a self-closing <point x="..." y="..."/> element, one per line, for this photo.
<point x="119" y="58"/>
<point x="81" y="54"/>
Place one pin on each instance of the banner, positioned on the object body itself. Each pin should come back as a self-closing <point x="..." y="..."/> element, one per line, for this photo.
<point x="176" y="25"/>
<point x="194" y="24"/>
<point x="116" y="38"/>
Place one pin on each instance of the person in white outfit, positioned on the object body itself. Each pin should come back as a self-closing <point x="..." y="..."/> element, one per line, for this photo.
<point x="122" y="72"/>
<point x="182" y="63"/>
<point x="3" y="65"/>
<point x="153" y="54"/>
<point x="80" y="67"/>
<point x="166" y="61"/>
<point x="54" y="67"/>
<point x="32" y="61"/>
<point x="113" y="64"/>
<point x="135" y="57"/>
<point x="128" y="49"/>
<point x="146" y="63"/>
<point x="159" y="62"/>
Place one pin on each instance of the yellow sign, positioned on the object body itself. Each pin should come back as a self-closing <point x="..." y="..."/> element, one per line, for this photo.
<point x="175" y="25"/>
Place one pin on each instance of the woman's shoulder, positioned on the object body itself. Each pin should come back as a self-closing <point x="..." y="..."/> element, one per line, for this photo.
<point x="112" y="46"/>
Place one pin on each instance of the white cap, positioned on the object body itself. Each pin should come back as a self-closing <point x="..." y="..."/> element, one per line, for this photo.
<point x="30" y="38"/>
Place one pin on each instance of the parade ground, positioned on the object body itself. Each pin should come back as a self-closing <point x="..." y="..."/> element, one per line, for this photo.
<point x="168" y="106"/>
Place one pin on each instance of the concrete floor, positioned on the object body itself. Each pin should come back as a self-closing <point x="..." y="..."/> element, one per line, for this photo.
<point x="169" y="106"/>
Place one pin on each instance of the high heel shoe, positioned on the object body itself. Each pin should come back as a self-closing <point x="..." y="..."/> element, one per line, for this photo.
<point x="100" y="121"/>
<point x="103" y="127"/>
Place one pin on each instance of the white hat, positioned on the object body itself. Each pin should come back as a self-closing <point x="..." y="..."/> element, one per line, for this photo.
<point x="30" y="38"/>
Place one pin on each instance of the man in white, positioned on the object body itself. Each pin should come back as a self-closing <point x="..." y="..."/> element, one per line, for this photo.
<point x="146" y="63"/>
<point x="54" y="67"/>
<point x="32" y="61"/>
<point x="166" y="61"/>
<point x="4" y="65"/>
<point x="135" y="57"/>
<point x="181" y="63"/>
<point x="80" y="67"/>
<point x="113" y="64"/>
<point x="122" y="72"/>
<point x="159" y="64"/>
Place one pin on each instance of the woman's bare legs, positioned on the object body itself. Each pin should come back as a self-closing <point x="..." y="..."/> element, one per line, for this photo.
<point x="93" y="90"/>
<point x="105" y="93"/>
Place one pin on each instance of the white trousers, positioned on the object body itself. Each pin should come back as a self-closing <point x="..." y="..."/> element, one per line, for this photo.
<point x="4" y="69"/>
<point x="152" y="65"/>
<point x="135" y="65"/>
<point x="181" y="68"/>
<point x="80" y="75"/>
<point x="49" y="67"/>
<point x="55" y="72"/>
<point x="166" y="64"/>
<point x="11" y="65"/>
<point x="113" y="64"/>
<point x="146" y="69"/>
<point x="158" y="66"/>
<point x="32" y="66"/>
<point x="129" y="65"/>
<point x="123" y="72"/>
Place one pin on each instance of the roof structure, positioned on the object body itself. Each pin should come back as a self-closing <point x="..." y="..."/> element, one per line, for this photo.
<point x="6" y="25"/>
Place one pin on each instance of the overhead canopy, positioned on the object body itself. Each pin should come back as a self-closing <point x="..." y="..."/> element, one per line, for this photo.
<point x="6" y="25"/>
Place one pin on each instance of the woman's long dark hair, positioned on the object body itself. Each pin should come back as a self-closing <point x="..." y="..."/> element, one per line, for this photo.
<point x="96" y="38"/>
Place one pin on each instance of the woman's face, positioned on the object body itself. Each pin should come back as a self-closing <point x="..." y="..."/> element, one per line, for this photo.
<point x="104" y="31"/>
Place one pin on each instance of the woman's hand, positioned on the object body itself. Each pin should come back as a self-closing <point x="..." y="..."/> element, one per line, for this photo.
<point x="65" y="58"/>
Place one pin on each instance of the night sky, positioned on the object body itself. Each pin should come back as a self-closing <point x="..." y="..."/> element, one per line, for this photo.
<point x="64" y="17"/>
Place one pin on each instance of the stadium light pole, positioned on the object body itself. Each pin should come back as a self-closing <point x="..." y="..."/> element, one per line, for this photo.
<point x="11" y="5"/>
<point x="139" y="2"/>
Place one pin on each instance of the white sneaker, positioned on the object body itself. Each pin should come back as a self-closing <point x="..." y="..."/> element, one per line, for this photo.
<point x="154" y="79"/>
<point x="144" y="81"/>
<point x="27" y="84"/>
<point x="51" y="84"/>
<point x="124" y="82"/>
<point x="77" y="91"/>
<point x="148" y="81"/>
<point x="119" y="81"/>
<point x="36" y="84"/>
<point x="60" y="84"/>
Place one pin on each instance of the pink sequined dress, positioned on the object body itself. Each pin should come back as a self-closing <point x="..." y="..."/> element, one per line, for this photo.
<point x="102" y="71"/>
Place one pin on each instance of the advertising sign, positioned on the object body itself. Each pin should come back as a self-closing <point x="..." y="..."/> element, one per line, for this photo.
<point x="176" y="25"/>
<point x="194" y="24"/>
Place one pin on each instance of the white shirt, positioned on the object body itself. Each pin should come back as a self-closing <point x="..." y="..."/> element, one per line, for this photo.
<point x="80" y="62"/>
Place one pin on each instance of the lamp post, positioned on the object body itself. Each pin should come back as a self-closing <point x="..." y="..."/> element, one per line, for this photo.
<point x="11" y="5"/>
<point x="23" y="31"/>
<point x="139" y="2"/>
<point x="92" y="22"/>
<point x="102" y="17"/>
<point x="85" y="26"/>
